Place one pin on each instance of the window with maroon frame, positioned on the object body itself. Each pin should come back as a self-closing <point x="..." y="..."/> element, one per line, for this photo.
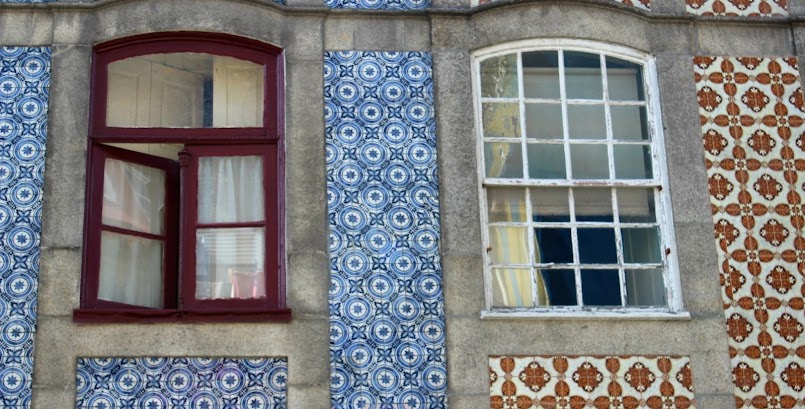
<point x="184" y="209"/>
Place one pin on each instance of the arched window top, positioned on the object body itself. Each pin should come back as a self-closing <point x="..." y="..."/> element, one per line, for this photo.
<point x="208" y="85"/>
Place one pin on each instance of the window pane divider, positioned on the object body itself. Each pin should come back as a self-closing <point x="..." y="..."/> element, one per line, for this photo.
<point x="129" y="232"/>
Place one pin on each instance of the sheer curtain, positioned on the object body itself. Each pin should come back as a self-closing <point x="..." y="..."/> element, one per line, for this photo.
<point x="229" y="260"/>
<point x="131" y="265"/>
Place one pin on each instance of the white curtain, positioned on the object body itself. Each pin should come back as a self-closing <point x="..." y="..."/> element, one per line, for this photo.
<point x="131" y="266"/>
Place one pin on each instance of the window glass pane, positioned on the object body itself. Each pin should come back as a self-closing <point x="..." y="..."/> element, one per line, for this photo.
<point x="230" y="189"/>
<point x="558" y="287"/>
<point x="509" y="245"/>
<point x="553" y="245"/>
<point x="586" y="122"/>
<point x="546" y="161"/>
<point x="131" y="270"/>
<point x="544" y="121"/>
<point x="641" y="245"/>
<point x="541" y="74"/>
<point x="550" y="204"/>
<point x="633" y="162"/>
<point x="583" y="75"/>
<point x="597" y="246"/>
<point x="501" y="120"/>
<point x="589" y="161"/>
<point x="162" y="150"/>
<point x="629" y="122"/>
<point x="511" y="287"/>
<point x="593" y="204"/>
<point x="499" y="77"/>
<point x="601" y="287"/>
<point x="229" y="263"/>
<point x="645" y="288"/>
<point x="133" y="196"/>
<point x="185" y="90"/>
<point x="506" y="204"/>
<point x="503" y="160"/>
<point x="624" y="80"/>
<point x="636" y="205"/>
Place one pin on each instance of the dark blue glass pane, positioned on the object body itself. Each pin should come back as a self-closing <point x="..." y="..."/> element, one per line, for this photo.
<point x="554" y="245"/>
<point x="600" y="287"/>
<point x="560" y="286"/>
<point x="597" y="246"/>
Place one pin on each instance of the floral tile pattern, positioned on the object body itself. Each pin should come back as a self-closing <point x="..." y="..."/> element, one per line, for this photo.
<point x="378" y="4"/>
<point x="387" y="340"/>
<point x="753" y="124"/>
<point x="738" y="8"/>
<point x="641" y="4"/>
<point x="24" y="92"/>
<point x="600" y="382"/>
<point x="197" y="383"/>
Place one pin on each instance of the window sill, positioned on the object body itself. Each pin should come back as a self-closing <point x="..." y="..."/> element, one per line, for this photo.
<point x="146" y="316"/>
<point x="552" y="314"/>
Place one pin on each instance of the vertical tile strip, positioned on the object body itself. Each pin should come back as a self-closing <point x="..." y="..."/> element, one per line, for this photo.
<point x="24" y="92"/>
<point x="753" y="123"/>
<point x="590" y="382"/>
<point x="387" y="345"/>
<point x="161" y="383"/>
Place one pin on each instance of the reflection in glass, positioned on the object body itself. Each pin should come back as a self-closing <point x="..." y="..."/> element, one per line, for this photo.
<point x="511" y="287"/>
<point x="600" y="287"/>
<point x="583" y="76"/>
<point x="636" y="205"/>
<point x="633" y="162"/>
<point x="546" y="161"/>
<point x="133" y="196"/>
<point x="624" y="80"/>
<point x="628" y="123"/>
<point x="501" y="120"/>
<point x="229" y="263"/>
<point x="589" y="161"/>
<point x="503" y="160"/>
<point x="184" y="90"/>
<point x="593" y="204"/>
<point x="645" y="288"/>
<point x="505" y="204"/>
<point x="230" y="189"/>
<point x="641" y="245"/>
<point x="509" y="245"/>
<point x="550" y="204"/>
<point x="586" y="122"/>
<point x="543" y="121"/>
<point x="499" y="77"/>
<point x="541" y="74"/>
<point x="131" y="270"/>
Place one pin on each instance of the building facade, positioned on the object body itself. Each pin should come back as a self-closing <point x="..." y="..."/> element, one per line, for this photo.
<point x="401" y="204"/>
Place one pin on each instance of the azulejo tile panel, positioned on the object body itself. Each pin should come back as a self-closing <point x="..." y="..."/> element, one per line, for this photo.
<point x="523" y="382"/>
<point x="753" y="124"/>
<point x="24" y="93"/>
<point x="197" y="383"/>
<point x="386" y="306"/>
<point x="738" y="8"/>
<point x="640" y="4"/>
<point x="378" y="4"/>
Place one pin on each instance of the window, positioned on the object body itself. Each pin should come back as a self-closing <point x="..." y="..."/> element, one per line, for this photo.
<point x="184" y="204"/>
<point x="575" y="210"/>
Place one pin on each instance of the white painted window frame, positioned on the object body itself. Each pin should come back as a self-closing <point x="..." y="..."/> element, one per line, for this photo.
<point x="675" y="308"/>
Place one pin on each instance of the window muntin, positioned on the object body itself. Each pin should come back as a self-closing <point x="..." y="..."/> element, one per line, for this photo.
<point x="572" y="185"/>
<point x="203" y="160"/>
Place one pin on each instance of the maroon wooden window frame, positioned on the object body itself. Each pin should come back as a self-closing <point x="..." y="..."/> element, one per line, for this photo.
<point x="182" y="185"/>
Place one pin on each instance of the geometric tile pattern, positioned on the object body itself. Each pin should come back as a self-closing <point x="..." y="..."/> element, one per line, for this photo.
<point x="24" y="92"/>
<point x="641" y="4"/>
<point x="738" y="8"/>
<point x="387" y="340"/>
<point x="181" y="383"/>
<point x="753" y="125"/>
<point x="378" y="4"/>
<point x="600" y="382"/>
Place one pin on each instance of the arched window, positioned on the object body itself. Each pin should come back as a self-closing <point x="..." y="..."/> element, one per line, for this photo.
<point x="574" y="195"/>
<point x="184" y="208"/>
